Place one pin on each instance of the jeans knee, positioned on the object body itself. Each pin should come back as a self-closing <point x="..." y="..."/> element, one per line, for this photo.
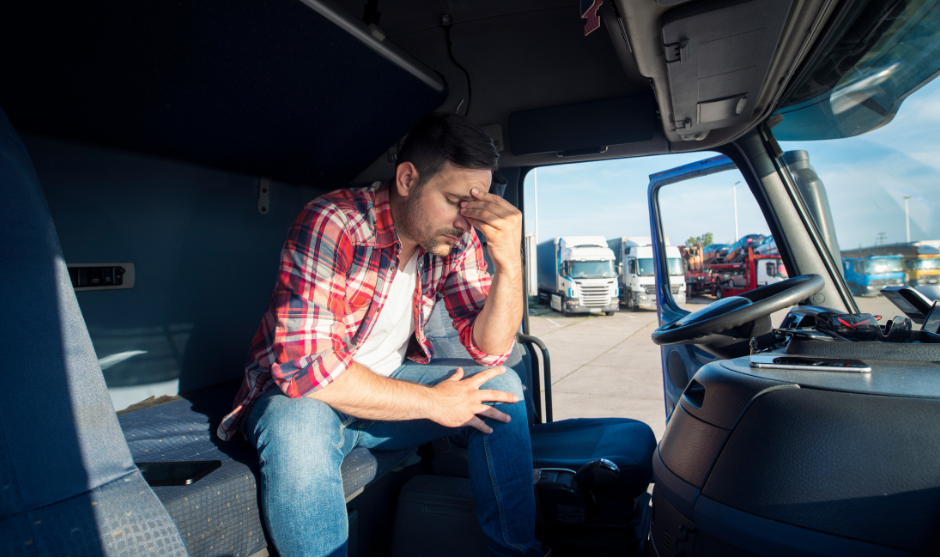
<point x="295" y="431"/>
<point x="508" y="382"/>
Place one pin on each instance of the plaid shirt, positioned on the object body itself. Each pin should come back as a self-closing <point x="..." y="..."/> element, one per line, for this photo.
<point x="336" y="271"/>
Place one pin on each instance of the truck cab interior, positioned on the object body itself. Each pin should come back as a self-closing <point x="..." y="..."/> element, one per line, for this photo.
<point x="153" y="155"/>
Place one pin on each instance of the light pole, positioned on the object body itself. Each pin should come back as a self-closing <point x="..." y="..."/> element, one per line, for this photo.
<point x="734" y="195"/>
<point x="535" y="175"/>
<point x="907" y="216"/>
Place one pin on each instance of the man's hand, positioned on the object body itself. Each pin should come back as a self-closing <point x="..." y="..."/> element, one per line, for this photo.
<point x="501" y="223"/>
<point x="457" y="401"/>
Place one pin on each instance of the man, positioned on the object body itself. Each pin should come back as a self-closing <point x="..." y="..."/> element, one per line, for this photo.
<point x="327" y="371"/>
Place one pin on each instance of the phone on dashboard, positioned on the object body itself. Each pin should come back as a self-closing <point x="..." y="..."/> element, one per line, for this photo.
<point x="176" y="473"/>
<point x="813" y="364"/>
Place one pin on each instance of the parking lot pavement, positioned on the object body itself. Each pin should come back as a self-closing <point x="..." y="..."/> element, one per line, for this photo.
<point x="603" y="366"/>
<point x="609" y="367"/>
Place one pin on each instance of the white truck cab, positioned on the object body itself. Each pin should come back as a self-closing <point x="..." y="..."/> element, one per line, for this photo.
<point x="578" y="274"/>
<point x="636" y="271"/>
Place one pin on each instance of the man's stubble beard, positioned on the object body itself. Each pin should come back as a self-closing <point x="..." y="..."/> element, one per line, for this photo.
<point x="413" y="225"/>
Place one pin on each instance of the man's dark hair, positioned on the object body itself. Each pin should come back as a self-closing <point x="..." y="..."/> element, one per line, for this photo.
<point x="441" y="137"/>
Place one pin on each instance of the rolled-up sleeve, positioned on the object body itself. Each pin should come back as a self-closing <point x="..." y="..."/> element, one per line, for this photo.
<point x="465" y="291"/>
<point x="305" y="344"/>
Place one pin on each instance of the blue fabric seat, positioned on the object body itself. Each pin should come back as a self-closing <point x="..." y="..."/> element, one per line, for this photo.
<point x="220" y="514"/>
<point x="572" y="443"/>
<point x="565" y="444"/>
<point x="68" y="485"/>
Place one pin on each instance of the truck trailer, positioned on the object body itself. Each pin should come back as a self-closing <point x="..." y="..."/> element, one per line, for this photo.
<point x="577" y="275"/>
<point x="636" y="274"/>
<point x="698" y="279"/>
<point x="754" y="271"/>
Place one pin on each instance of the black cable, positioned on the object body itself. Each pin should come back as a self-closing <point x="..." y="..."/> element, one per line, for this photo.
<point x="446" y="23"/>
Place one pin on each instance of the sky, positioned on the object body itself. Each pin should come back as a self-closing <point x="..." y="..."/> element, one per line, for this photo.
<point x="866" y="178"/>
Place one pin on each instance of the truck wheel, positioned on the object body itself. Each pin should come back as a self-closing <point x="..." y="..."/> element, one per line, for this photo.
<point x="609" y="313"/>
<point x="635" y="303"/>
<point x="718" y="293"/>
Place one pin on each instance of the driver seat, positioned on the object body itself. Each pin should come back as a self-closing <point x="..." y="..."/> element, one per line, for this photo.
<point x="568" y="444"/>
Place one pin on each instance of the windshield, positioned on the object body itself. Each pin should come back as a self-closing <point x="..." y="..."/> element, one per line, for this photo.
<point x="591" y="269"/>
<point x="860" y="132"/>
<point x="928" y="264"/>
<point x="883" y="266"/>
<point x="884" y="52"/>
<point x="645" y="267"/>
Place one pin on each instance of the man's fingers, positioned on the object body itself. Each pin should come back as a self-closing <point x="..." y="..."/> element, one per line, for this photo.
<point x="480" y="425"/>
<point x="492" y="395"/>
<point x="503" y="210"/>
<point x="457" y="376"/>
<point x="477" y="194"/>
<point x="491" y="412"/>
<point x="482" y="214"/>
<point x="488" y="230"/>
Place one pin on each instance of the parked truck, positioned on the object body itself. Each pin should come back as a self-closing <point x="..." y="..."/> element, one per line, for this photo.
<point x="636" y="273"/>
<point x="866" y="276"/>
<point x="577" y="275"/>
<point x="920" y="259"/>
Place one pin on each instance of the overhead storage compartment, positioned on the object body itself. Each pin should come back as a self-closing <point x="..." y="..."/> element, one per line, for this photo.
<point x="717" y="57"/>
<point x="299" y="91"/>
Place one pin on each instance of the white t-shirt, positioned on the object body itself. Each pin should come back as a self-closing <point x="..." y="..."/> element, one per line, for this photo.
<point x="384" y="350"/>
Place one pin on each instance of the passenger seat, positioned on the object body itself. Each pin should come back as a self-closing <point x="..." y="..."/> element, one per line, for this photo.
<point x="568" y="444"/>
<point x="68" y="484"/>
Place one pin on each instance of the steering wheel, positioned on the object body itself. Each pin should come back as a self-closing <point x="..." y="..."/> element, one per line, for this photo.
<point x="728" y="313"/>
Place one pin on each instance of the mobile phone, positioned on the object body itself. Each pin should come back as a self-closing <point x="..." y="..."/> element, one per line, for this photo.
<point x="814" y="364"/>
<point x="176" y="473"/>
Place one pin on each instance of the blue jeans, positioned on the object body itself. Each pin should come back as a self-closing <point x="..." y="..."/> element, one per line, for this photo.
<point x="302" y="442"/>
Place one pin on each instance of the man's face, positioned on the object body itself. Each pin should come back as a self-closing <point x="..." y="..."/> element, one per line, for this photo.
<point x="432" y="219"/>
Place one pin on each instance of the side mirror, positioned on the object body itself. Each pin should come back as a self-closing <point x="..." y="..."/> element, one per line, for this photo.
<point x="619" y="269"/>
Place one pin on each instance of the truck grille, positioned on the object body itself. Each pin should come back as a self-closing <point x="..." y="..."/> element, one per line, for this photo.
<point x="886" y="282"/>
<point x="652" y="289"/>
<point x="595" y="295"/>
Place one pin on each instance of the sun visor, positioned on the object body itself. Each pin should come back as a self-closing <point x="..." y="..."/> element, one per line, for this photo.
<point x="717" y="57"/>
<point x="583" y="128"/>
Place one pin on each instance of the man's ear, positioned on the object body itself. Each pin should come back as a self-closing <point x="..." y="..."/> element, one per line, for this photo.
<point x="406" y="178"/>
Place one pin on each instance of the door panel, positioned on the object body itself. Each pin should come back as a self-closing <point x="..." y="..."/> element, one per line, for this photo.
<point x="697" y="206"/>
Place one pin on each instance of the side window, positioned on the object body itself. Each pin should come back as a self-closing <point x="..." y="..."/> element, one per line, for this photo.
<point x="725" y="245"/>
<point x="597" y="320"/>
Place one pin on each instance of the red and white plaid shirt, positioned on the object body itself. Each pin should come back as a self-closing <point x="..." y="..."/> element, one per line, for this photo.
<point x="337" y="267"/>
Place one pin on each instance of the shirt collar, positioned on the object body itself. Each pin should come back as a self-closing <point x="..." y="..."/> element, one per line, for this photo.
<point x="385" y="235"/>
